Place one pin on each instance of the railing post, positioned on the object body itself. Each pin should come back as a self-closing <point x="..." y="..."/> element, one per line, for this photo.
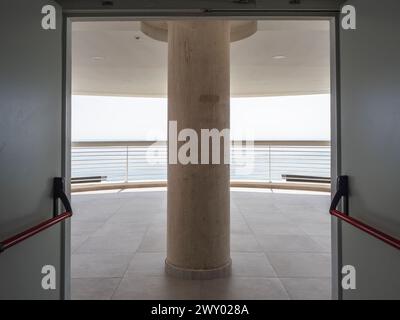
<point x="127" y="165"/>
<point x="269" y="164"/>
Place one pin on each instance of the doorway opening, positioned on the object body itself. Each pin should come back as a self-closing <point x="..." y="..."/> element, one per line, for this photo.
<point x="280" y="164"/>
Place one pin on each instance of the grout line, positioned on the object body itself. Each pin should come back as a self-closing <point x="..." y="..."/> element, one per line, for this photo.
<point x="134" y="255"/>
<point x="122" y="277"/>
<point x="258" y="243"/>
<point x="280" y="281"/>
<point x="91" y="235"/>
<point x="265" y="254"/>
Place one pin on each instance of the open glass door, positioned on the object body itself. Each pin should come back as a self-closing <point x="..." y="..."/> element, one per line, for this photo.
<point x="370" y="154"/>
<point x="31" y="125"/>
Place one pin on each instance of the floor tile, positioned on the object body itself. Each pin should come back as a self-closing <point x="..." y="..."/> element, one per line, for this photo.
<point x="125" y="243"/>
<point x="251" y="265"/>
<point x="244" y="288"/>
<point x="288" y="243"/>
<point x="239" y="227"/>
<point x="145" y="287"/>
<point x="147" y="263"/>
<point x="93" y="288"/>
<point x="85" y="228"/>
<point x="258" y="207"/>
<point x="276" y="228"/>
<point x="132" y="217"/>
<point x="92" y="215"/>
<point x="306" y="215"/>
<point x="324" y="242"/>
<point x="121" y="228"/>
<point x="155" y="240"/>
<point x="88" y="265"/>
<point x="312" y="265"/>
<point x="77" y="241"/>
<point x="316" y="229"/>
<point x="266" y="219"/>
<point x="244" y="243"/>
<point x="308" y="288"/>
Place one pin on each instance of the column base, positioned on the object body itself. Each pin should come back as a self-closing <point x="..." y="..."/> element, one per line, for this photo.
<point x="192" y="274"/>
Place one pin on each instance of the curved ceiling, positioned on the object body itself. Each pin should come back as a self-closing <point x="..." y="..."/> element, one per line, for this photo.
<point x="281" y="58"/>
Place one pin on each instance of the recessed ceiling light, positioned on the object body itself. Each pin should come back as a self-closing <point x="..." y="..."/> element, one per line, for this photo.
<point x="97" y="58"/>
<point x="279" y="57"/>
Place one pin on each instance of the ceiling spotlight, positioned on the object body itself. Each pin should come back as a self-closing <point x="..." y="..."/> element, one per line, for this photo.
<point x="137" y="37"/>
<point x="279" y="57"/>
<point x="97" y="59"/>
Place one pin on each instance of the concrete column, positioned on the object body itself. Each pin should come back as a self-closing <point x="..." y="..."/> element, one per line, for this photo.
<point x="198" y="235"/>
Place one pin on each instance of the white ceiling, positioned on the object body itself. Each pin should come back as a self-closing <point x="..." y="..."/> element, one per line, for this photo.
<point x="116" y="58"/>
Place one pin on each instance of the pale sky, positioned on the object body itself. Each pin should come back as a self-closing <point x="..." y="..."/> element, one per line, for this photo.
<point x="256" y="118"/>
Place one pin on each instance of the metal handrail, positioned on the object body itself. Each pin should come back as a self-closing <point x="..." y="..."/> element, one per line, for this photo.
<point x="392" y="241"/>
<point x="343" y="192"/>
<point x="58" y="193"/>
<point x="12" y="241"/>
<point x="286" y="143"/>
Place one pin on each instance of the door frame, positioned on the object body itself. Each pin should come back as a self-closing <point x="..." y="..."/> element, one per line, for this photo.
<point x="333" y="16"/>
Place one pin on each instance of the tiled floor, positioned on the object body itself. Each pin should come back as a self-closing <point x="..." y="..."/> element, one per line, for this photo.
<point x="280" y="247"/>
